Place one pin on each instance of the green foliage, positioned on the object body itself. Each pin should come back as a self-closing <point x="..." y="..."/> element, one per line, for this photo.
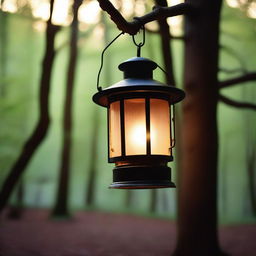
<point x="18" y="113"/>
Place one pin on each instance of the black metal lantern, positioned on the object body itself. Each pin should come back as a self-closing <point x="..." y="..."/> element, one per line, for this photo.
<point x="139" y="126"/>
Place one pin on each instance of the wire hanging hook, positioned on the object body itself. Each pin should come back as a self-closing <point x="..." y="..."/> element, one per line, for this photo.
<point x="102" y="58"/>
<point x="139" y="45"/>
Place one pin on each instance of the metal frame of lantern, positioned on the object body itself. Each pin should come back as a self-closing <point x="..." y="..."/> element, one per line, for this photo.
<point x="147" y="170"/>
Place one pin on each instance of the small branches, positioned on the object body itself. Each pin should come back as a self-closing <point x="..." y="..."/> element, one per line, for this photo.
<point x="238" y="80"/>
<point x="237" y="104"/>
<point x="233" y="53"/>
<point x="133" y="27"/>
<point x="232" y="71"/>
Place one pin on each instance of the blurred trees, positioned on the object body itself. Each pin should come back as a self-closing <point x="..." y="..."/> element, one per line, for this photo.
<point x="86" y="143"/>
<point x="41" y="128"/>
<point x="92" y="168"/>
<point x="61" y="206"/>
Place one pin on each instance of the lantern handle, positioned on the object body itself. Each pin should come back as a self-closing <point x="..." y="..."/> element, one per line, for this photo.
<point x="173" y="141"/>
<point x="139" y="45"/>
<point x="99" y="88"/>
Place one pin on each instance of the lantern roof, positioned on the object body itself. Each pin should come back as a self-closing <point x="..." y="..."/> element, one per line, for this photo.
<point x="138" y="77"/>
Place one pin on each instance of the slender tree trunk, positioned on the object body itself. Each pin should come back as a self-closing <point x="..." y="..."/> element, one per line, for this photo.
<point x="92" y="169"/>
<point x="166" y="46"/>
<point x="90" y="193"/>
<point x="15" y="211"/>
<point x="3" y="51"/>
<point x="153" y="201"/>
<point x="197" y="215"/>
<point x="41" y="128"/>
<point x="251" y="164"/>
<point x="61" y="206"/>
<point x="128" y="198"/>
<point x="167" y="56"/>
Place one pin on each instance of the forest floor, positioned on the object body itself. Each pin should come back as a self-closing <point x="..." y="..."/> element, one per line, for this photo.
<point x="105" y="234"/>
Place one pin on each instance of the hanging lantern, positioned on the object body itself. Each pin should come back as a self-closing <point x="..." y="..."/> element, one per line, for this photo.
<point x="140" y="126"/>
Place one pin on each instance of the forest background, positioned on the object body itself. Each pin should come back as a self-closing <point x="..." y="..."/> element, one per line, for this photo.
<point x="22" y="42"/>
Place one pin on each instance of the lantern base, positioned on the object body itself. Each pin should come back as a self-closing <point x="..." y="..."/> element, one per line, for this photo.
<point x="142" y="177"/>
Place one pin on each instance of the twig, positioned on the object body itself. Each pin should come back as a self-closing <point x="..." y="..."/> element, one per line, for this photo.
<point x="237" y="104"/>
<point x="133" y="27"/>
<point x="238" y="80"/>
<point x="232" y="71"/>
<point x="235" y="55"/>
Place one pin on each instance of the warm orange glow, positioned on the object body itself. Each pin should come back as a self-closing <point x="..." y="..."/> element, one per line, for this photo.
<point x="135" y="126"/>
<point x="160" y="127"/>
<point x="114" y="130"/>
<point x="138" y="135"/>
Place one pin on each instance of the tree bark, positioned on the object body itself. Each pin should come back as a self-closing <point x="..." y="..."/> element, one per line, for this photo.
<point x="197" y="207"/>
<point x="61" y="206"/>
<point x="41" y="128"/>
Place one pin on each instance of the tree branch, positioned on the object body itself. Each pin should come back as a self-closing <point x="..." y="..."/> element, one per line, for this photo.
<point x="133" y="27"/>
<point x="232" y="71"/>
<point x="238" y="80"/>
<point x="233" y="53"/>
<point x="237" y="104"/>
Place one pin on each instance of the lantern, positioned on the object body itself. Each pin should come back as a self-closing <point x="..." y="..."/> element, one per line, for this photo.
<point x="139" y="126"/>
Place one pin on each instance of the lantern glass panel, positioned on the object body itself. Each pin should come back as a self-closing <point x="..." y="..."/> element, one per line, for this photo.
<point x="160" y="127"/>
<point x="135" y="126"/>
<point x="114" y="130"/>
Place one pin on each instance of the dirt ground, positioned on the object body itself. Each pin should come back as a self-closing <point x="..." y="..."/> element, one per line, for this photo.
<point x="105" y="234"/>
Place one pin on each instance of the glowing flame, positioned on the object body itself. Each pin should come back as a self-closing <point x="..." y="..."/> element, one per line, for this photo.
<point x="138" y="135"/>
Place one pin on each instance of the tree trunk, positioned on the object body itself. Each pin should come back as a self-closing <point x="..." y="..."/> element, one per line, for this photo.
<point x="197" y="213"/>
<point x="153" y="201"/>
<point x="90" y="189"/>
<point x="166" y="46"/>
<point x="92" y="169"/>
<point x="61" y="206"/>
<point x="41" y="128"/>
<point x="251" y="164"/>
<point x="3" y="50"/>
<point x="128" y="198"/>
<point x="15" y="211"/>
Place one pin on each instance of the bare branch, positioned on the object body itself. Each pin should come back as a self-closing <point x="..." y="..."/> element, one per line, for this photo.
<point x="233" y="53"/>
<point x="237" y="104"/>
<point x="232" y="71"/>
<point x="133" y="27"/>
<point x="238" y="80"/>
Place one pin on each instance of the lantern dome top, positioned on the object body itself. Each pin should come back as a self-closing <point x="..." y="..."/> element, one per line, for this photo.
<point x="138" y="62"/>
<point x="138" y="78"/>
